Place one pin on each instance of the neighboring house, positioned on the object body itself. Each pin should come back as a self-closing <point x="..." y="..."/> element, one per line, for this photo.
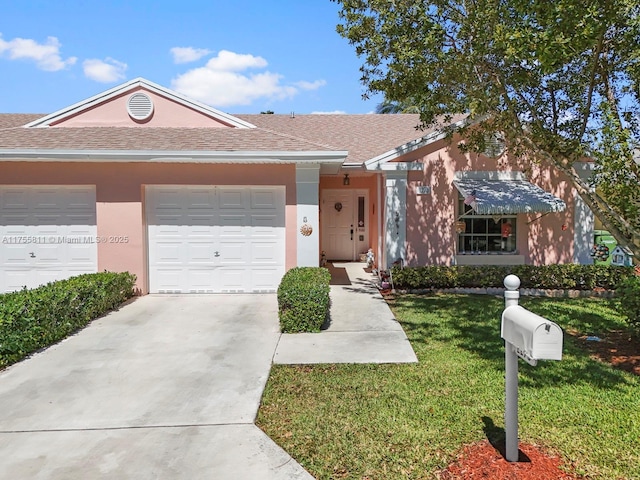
<point x="191" y="199"/>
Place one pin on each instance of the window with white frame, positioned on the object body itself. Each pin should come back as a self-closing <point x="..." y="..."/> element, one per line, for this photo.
<point x="484" y="233"/>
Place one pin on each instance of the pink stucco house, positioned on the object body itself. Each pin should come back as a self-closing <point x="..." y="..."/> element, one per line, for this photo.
<point x="191" y="199"/>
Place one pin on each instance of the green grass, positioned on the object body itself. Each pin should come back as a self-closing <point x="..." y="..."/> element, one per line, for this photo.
<point x="410" y="421"/>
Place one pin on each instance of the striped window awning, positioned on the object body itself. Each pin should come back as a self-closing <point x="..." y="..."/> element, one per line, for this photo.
<point x="504" y="193"/>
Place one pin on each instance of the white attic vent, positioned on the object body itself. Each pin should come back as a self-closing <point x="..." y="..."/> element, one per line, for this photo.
<point x="139" y="106"/>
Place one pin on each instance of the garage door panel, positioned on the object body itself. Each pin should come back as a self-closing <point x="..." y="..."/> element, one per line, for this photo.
<point x="263" y="279"/>
<point x="200" y="281"/>
<point x="200" y="253"/>
<point x="230" y="220"/>
<point x="14" y="218"/>
<point x="232" y="198"/>
<point x="80" y="254"/>
<point x="14" y="199"/>
<point x="234" y="252"/>
<point x="265" y="253"/>
<point x="15" y="255"/>
<point x="167" y="280"/>
<point x="217" y="219"/>
<point x="204" y="221"/>
<point x="262" y="220"/>
<point x="264" y="199"/>
<point x="51" y="275"/>
<point x="52" y="254"/>
<point x="235" y="279"/>
<point x="16" y="279"/>
<point x="168" y="253"/>
<point x="48" y="234"/>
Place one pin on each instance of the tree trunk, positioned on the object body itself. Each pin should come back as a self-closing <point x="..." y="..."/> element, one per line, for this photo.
<point x="624" y="233"/>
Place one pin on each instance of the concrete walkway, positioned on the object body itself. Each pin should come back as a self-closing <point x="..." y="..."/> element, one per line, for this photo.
<point x="362" y="328"/>
<point x="169" y="386"/>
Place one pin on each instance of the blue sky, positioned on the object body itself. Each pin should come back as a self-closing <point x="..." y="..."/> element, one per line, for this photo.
<point x="240" y="56"/>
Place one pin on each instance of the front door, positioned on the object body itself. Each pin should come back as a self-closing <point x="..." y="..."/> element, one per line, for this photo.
<point x="344" y="224"/>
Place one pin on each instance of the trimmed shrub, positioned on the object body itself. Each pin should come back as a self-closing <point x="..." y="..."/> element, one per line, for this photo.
<point x="552" y="277"/>
<point x="303" y="299"/>
<point x="629" y="294"/>
<point x="34" y="319"/>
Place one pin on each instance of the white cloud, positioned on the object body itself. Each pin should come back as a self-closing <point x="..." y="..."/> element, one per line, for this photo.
<point x="303" y="85"/>
<point x="188" y="54"/>
<point x="335" y="112"/>
<point x="227" y="61"/>
<point x="46" y="55"/>
<point x="104" y="71"/>
<point x="223" y="82"/>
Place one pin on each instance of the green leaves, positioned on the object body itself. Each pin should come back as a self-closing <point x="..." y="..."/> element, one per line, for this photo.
<point x="538" y="72"/>
<point x="567" y="276"/>
<point x="629" y="293"/>
<point x="37" y="318"/>
<point x="303" y="299"/>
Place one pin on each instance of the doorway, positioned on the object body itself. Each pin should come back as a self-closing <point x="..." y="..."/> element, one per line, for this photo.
<point x="344" y="223"/>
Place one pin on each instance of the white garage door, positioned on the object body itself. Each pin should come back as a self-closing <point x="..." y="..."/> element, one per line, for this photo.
<point x="209" y="239"/>
<point x="47" y="233"/>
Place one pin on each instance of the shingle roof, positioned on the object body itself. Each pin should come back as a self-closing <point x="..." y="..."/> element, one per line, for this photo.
<point x="14" y="136"/>
<point x="363" y="136"/>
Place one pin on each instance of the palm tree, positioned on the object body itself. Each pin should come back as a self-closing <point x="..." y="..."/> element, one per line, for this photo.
<point x="387" y="106"/>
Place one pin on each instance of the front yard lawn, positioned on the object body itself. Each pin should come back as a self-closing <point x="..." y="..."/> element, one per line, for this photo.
<point x="410" y="421"/>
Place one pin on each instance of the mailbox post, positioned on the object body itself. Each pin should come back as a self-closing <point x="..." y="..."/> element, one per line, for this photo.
<point x="530" y="337"/>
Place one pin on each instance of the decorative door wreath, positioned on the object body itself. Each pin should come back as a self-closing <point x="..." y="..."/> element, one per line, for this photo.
<point x="338" y="206"/>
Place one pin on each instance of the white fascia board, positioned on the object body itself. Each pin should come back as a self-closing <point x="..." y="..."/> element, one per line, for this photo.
<point x="376" y="162"/>
<point x="195" y="105"/>
<point x="489" y="175"/>
<point x="87" y="103"/>
<point x="162" y="156"/>
<point x="128" y="86"/>
<point x="398" y="167"/>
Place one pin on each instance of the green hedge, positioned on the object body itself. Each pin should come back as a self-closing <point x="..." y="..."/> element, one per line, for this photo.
<point x="564" y="277"/>
<point x="34" y="319"/>
<point x="303" y="299"/>
<point x="629" y="294"/>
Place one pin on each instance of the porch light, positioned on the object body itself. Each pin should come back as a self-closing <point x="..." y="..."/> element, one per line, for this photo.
<point x="345" y="180"/>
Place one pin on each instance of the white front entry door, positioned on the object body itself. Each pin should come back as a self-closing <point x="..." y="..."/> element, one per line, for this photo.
<point x="208" y="239"/>
<point x="48" y="233"/>
<point x="344" y="223"/>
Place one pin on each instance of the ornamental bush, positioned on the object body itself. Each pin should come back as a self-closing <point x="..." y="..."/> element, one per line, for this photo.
<point x="34" y="319"/>
<point x="552" y="277"/>
<point x="303" y="299"/>
<point x="629" y="294"/>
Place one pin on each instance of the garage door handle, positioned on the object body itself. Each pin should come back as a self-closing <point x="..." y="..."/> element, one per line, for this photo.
<point x="33" y="255"/>
<point x="216" y="254"/>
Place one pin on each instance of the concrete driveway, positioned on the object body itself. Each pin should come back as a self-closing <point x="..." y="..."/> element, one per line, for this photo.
<point x="168" y="387"/>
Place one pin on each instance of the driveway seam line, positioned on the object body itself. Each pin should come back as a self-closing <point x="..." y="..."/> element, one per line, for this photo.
<point x="138" y="427"/>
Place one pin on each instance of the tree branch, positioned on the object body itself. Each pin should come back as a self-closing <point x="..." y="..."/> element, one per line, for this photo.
<point x="592" y="83"/>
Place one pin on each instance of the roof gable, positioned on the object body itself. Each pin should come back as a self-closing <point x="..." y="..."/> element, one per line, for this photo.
<point x="168" y="109"/>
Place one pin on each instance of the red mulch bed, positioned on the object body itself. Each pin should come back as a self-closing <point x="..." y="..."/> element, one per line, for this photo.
<point x="482" y="461"/>
<point x="617" y="348"/>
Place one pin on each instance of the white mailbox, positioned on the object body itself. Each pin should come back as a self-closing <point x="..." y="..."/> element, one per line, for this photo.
<point x="534" y="337"/>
